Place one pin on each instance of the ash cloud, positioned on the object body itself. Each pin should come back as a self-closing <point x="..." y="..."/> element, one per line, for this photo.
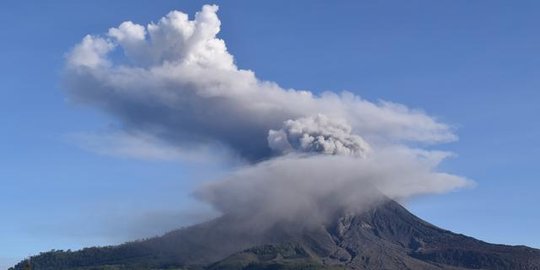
<point x="311" y="189"/>
<point x="175" y="84"/>
<point x="175" y="80"/>
<point x="317" y="134"/>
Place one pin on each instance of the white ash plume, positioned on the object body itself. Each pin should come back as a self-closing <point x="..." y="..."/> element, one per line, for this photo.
<point x="175" y="80"/>
<point x="175" y="84"/>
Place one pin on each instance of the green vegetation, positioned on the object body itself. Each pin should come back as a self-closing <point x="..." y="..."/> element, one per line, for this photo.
<point x="273" y="257"/>
<point x="106" y="258"/>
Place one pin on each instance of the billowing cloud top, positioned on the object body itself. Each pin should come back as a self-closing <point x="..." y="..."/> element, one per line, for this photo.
<point x="175" y="80"/>
<point x="173" y="83"/>
<point x="317" y="134"/>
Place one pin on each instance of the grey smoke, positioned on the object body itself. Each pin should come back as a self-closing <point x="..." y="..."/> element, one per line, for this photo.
<point x="317" y="134"/>
<point x="173" y="86"/>
<point x="312" y="188"/>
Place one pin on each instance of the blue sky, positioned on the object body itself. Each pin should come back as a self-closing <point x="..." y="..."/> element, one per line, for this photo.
<point x="472" y="64"/>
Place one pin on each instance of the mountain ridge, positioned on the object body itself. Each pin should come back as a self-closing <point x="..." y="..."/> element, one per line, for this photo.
<point x="386" y="236"/>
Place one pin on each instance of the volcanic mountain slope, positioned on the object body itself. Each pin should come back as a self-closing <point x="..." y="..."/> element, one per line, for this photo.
<point x="385" y="237"/>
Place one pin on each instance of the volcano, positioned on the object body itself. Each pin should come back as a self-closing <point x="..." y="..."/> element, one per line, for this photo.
<point x="386" y="236"/>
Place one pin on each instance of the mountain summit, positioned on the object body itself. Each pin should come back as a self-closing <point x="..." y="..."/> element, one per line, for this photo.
<point x="386" y="236"/>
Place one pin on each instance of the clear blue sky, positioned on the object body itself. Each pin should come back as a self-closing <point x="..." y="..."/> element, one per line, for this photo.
<point x="472" y="64"/>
